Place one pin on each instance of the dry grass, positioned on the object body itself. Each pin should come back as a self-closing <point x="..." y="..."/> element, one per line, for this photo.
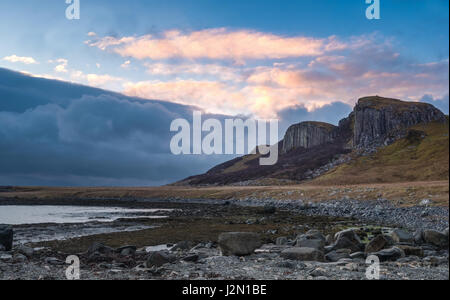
<point x="401" y="194"/>
<point x="409" y="159"/>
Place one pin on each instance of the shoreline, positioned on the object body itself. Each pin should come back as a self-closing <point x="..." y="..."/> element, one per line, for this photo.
<point x="199" y="222"/>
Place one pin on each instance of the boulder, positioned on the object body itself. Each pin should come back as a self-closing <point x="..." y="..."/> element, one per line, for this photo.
<point x="239" y="243"/>
<point x="6" y="237"/>
<point x="347" y="239"/>
<point x="182" y="246"/>
<point x="418" y="237"/>
<point x="302" y="254"/>
<point x="411" y="250"/>
<point x="402" y="236"/>
<point x="378" y="243"/>
<point x="99" y="248"/>
<point x="281" y="241"/>
<point x="126" y="250"/>
<point x="191" y="258"/>
<point x="159" y="258"/>
<point x="391" y="254"/>
<point x="435" y="238"/>
<point x="19" y="258"/>
<point x="337" y="255"/>
<point x="27" y="251"/>
<point x="310" y="243"/>
<point x="358" y="255"/>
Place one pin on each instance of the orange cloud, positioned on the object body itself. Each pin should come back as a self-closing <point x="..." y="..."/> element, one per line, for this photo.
<point x="217" y="44"/>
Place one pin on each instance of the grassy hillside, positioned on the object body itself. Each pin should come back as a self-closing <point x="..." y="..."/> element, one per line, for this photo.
<point x="423" y="155"/>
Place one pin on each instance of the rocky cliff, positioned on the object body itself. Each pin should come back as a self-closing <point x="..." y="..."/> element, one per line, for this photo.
<point x="308" y="135"/>
<point x="312" y="149"/>
<point x="380" y="121"/>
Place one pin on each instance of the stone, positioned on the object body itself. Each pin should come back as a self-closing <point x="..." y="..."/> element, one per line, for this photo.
<point x="19" y="258"/>
<point x="54" y="261"/>
<point x="239" y="243"/>
<point x="318" y="272"/>
<point x="302" y="254"/>
<point x="358" y="255"/>
<point x="391" y="254"/>
<point x="336" y="255"/>
<point x="307" y="243"/>
<point x="418" y="237"/>
<point x="378" y="243"/>
<point x="281" y="241"/>
<point x="347" y="239"/>
<point x="6" y="257"/>
<point x="27" y="251"/>
<point x="126" y="250"/>
<point x="99" y="248"/>
<point x="329" y="239"/>
<point x="435" y="260"/>
<point x="191" y="258"/>
<point x="6" y="237"/>
<point x="314" y="234"/>
<point x="435" y="238"/>
<point x="159" y="258"/>
<point x="402" y="236"/>
<point x="411" y="250"/>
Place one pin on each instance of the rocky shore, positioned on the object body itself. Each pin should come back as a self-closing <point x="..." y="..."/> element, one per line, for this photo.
<point x="271" y="240"/>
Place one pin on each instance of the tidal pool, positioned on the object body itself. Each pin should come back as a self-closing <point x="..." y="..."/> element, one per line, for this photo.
<point x="36" y="214"/>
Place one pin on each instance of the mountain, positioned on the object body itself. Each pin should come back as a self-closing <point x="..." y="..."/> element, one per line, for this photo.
<point x="382" y="140"/>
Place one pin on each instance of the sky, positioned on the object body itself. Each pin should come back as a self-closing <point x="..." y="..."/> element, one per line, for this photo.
<point x="285" y="59"/>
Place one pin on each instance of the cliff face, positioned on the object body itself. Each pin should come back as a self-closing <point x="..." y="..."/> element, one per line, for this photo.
<point x="307" y="135"/>
<point x="380" y="121"/>
<point x="310" y="149"/>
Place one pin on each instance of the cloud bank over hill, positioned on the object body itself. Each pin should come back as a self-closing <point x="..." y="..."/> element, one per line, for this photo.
<point x="58" y="133"/>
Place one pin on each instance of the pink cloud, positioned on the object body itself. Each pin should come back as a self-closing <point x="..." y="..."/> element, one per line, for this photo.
<point x="217" y="44"/>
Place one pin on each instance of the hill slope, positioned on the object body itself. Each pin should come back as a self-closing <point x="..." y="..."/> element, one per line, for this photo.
<point x="382" y="140"/>
<point x="422" y="155"/>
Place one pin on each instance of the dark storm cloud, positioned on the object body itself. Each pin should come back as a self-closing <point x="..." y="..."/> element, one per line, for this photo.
<point x="87" y="136"/>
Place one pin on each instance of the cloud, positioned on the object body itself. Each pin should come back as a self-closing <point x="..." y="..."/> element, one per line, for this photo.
<point x="96" y="80"/>
<point x="22" y="59"/>
<point x="220" y="72"/>
<point x="219" y="43"/>
<point x="126" y="64"/>
<point x="61" y="66"/>
<point x="342" y="70"/>
<point x="86" y="136"/>
<point x="331" y="113"/>
<point x="440" y="103"/>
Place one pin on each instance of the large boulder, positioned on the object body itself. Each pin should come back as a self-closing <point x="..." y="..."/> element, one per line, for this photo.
<point x="303" y="254"/>
<point x="411" y="250"/>
<point x="239" y="243"/>
<point x="99" y="249"/>
<point x="435" y="238"/>
<point x="391" y="254"/>
<point x="402" y="236"/>
<point x="347" y="239"/>
<point x="312" y="239"/>
<point x="159" y="258"/>
<point x="378" y="243"/>
<point x="6" y="237"/>
<point x="337" y="255"/>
